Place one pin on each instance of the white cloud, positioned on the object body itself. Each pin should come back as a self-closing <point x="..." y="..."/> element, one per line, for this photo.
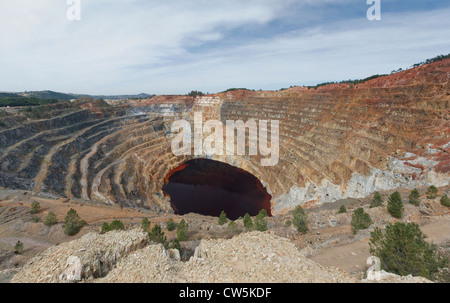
<point x="144" y="46"/>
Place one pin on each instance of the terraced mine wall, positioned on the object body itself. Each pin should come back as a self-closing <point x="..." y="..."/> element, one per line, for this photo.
<point x="336" y="141"/>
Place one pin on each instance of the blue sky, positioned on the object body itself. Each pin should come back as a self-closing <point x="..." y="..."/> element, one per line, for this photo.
<point x="173" y="47"/>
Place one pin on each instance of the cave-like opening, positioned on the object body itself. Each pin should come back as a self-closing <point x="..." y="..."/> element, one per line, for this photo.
<point x="209" y="187"/>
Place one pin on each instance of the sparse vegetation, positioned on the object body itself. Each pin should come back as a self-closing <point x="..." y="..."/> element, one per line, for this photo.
<point x="263" y="212"/>
<point x="403" y="250"/>
<point x="50" y="219"/>
<point x="358" y="81"/>
<point x="235" y="89"/>
<point x="114" y="225"/>
<point x="73" y="223"/>
<point x="260" y="223"/>
<point x="223" y="218"/>
<point x="395" y="205"/>
<point x="195" y="93"/>
<point x="35" y="207"/>
<point x="171" y="225"/>
<point x="342" y="210"/>
<point x="176" y="245"/>
<point x="445" y="200"/>
<point x="376" y="201"/>
<point x="432" y="192"/>
<point x="233" y="228"/>
<point x="248" y="223"/>
<point x="360" y="220"/>
<point x="18" y="248"/>
<point x="414" y="197"/>
<point x="288" y="223"/>
<point x="299" y="220"/>
<point x="182" y="231"/>
<point x="157" y="235"/>
<point x="145" y="224"/>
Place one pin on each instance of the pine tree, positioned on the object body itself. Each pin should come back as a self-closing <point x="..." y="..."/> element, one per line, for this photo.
<point x="260" y="223"/>
<point x="171" y="225"/>
<point x="432" y="192"/>
<point x="360" y="220"/>
<point x="223" y="218"/>
<point x="395" y="205"/>
<point x="376" y="201"/>
<point x="342" y="210"/>
<point x="50" y="219"/>
<point x="248" y="224"/>
<point x="402" y="250"/>
<point x="157" y="235"/>
<point x="299" y="220"/>
<point x="145" y="224"/>
<point x="414" y="197"/>
<point x="35" y="207"/>
<point x="18" y="248"/>
<point x="445" y="201"/>
<point x="182" y="231"/>
<point x="73" y="223"/>
<point x="176" y="245"/>
<point x="114" y="225"/>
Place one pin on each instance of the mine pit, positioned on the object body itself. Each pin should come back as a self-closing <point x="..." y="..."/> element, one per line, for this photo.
<point x="209" y="187"/>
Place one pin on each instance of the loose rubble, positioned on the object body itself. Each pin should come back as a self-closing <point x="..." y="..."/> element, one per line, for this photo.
<point x="89" y="257"/>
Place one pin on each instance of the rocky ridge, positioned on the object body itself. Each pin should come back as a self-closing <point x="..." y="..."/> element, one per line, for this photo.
<point x="127" y="257"/>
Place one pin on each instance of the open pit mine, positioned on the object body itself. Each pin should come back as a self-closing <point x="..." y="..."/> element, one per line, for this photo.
<point x="336" y="141"/>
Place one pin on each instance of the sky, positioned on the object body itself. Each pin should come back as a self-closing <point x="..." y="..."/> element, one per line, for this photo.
<point x="175" y="46"/>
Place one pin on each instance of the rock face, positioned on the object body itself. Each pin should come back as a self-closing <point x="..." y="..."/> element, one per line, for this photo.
<point x="336" y="141"/>
<point x="91" y="256"/>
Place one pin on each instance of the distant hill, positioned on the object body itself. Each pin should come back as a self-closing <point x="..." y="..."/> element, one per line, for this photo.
<point x="48" y="94"/>
<point x="33" y="98"/>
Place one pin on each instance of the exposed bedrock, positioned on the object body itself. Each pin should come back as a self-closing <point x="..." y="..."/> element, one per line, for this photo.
<point x="336" y="141"/>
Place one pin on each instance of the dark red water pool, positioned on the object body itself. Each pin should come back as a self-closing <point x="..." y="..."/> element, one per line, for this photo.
<point x="209" y="187"/>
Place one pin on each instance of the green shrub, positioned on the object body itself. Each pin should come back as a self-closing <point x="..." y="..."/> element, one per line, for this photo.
<point x="223" y="218"/>
<point x="50" y="219"/>
<point x="248" y="223"/>
<point x="260" y="223"/>
<point x="114" y="225"/>
<point x="73" y="223"/>
<point x="342" y="210"/>
<point x="445" y="201"/>
<point x="288" y="223"/>
<point x="360" y="220"/>
<point x="157" y="235"/>
<point x="402" y="250"/>
<point x="432" y="192"/>
<point x="395" y="205"/>
<point x="171" y="225"/>
<point x="263" y="212"/>
<point x="35" y="219"/>
<point x="145" y="224"/>
<point x="299" y="220"/>
<point x="176" y="245"/>
<point x="414" y="197"/>
<point x="18" y="248"/>
<point x="182" y="231"/>
<point x="377" y="200"/>
<point x="233" y="228"/>
<point x="35" y="207"/>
